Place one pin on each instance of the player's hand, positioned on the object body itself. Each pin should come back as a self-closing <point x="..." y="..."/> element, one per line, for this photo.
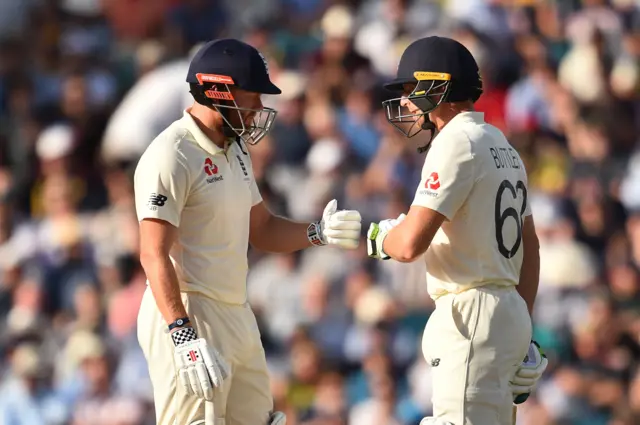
<point x="340" y="228"/>
<point x="277" y="418"/>
<point x="201" y="368"/>
<point x="528" y="374"/>
<point x="376" y="235"/>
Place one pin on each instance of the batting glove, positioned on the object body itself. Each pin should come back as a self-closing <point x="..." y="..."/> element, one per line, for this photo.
<point x="528" y="374"/>
<point x="200" y="367"/>
<point x="433" y="421"/>
<point x="277" y="418"/>
<point x="377" y="234"/>
<point x="340" y="228"/>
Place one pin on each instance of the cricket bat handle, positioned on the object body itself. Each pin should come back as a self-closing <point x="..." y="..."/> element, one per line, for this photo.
<point x="209" y="413"/>
<point x="515" y="414"/>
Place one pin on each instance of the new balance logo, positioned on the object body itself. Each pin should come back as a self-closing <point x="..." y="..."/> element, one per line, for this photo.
<point x="244" y="169"/>
<point x="156" y="201"/>
<point x="435" y="362"/>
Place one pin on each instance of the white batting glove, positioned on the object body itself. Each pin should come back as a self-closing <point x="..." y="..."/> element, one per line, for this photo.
<point x="377" y="234"/>
<point x="277" y="418"/>
<point x="200" y="367"/>
<point x="528" y="374"/>
<point x="433" y="421"/>
<point x="340" y="228"/>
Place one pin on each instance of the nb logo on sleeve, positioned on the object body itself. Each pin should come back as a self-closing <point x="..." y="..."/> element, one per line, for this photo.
<point x="156" y="201"/>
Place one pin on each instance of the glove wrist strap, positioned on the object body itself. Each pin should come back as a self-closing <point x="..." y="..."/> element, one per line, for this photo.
<point x="383" y="255"/>
<point x="379" y="243"/>
<point x="314" y="234"/>
<point x="183" y="335"/>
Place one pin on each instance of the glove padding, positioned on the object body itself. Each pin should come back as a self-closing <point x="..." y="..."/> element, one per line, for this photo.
<point x="201" y="368"/>
<point x="430" y="420"/>
<point x="277" y="418"/>
<point x="377" y="234"/>
<point x="528" y="374"/>
<point x="340" y="228"/>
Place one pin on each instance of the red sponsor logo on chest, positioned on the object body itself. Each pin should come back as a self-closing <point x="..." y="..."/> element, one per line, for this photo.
<point x="211" y="170"/>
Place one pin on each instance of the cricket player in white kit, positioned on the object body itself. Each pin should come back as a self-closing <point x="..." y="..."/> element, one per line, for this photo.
<point x="471" y="222"/>
<point x="199" y="207"/>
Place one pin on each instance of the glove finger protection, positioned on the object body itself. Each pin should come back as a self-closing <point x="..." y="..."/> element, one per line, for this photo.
<point x="335" y="224"/>
<point x="341" y="228"/>
<point x="332" y="233"/>
<point x="430" y="420"/>
<point x="196" y="388"/>
<point x="376" y="235"/>
<point x="330" y="209"/>
<point x="200" y="367"/>
<point x="529" y="373"/>
<point x="386" y="225"/>
<point x="346" y="243"/>
<point x="345" y="216"/>
<point x="184" y="380"/>
<point x="205" y="381"/>
<point x="277" y="418"/>
<point x="219" y="371"/>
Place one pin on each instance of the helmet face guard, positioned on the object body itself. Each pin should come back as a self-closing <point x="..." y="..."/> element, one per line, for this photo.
<point x="208" y="92"/>
<point x="431" y="90"/>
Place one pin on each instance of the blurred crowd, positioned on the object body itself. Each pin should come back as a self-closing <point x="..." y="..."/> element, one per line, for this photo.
<point x="85" y="85"/>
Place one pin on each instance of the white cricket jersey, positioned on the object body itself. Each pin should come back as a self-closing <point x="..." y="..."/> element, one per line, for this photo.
<point x="476" y="179"/>
<point x="207" y="193"/>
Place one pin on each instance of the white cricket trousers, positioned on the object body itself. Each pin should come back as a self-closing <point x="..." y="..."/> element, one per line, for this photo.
<point x="244" y="399"/>
<point x="475" y="341"/>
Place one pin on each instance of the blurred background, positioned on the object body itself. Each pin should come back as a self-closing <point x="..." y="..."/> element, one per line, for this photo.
<point x="85" y="85"/>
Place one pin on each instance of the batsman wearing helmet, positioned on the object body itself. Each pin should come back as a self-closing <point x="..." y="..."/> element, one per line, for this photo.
<point x="471" y="222"/>
<point x="199" y="207"/>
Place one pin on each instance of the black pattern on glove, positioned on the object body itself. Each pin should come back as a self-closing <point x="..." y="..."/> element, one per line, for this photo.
<point x="183" y="335"/>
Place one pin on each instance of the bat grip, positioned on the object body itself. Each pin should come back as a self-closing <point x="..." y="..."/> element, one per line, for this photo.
<point x="209" y="413"/>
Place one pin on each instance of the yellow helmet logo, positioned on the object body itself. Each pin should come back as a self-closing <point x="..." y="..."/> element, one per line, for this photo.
<point x="425" y="75"/>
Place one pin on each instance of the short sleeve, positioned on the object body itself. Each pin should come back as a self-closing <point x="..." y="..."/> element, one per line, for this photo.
<point x="161" y="185"/>
<point x="448" y="175"/>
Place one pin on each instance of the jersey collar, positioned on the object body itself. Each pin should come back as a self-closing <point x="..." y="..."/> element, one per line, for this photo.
<point x="469" y="116"/>
<point x="203" y="141"/>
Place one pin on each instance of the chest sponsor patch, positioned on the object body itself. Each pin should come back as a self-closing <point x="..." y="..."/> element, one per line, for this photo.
<point x="211" y="170"/>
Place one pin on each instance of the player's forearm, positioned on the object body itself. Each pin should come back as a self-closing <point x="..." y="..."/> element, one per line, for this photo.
<point x="281" y="235"/>
<point x="403" y="247"/>
<point x="397" y="248"/>
<point x="411" y="238"/>
<point x="530" y="276"/>
<point x="163" y="282"/>
<point x="530" y="270"/>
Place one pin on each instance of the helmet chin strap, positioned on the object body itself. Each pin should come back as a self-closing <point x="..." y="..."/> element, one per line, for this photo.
<point x="431" y="127"/>
<point x="228" y="131"/>
<point x="226" y="114"/>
